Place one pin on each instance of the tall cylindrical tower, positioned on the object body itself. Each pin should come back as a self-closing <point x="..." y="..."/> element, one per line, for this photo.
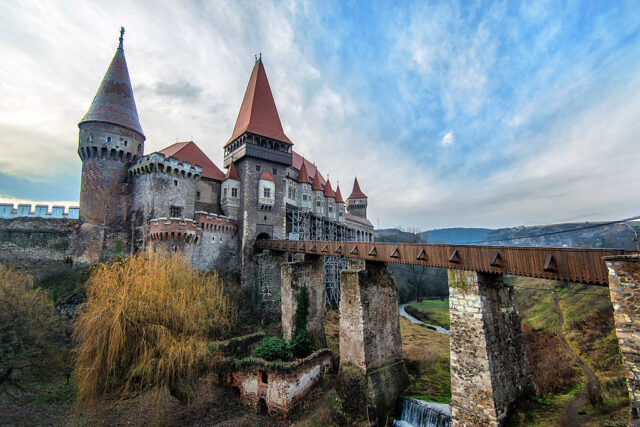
<point x="110" y="136"/>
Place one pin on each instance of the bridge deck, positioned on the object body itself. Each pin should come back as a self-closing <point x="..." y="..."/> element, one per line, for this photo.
<point x="568" y="264"/>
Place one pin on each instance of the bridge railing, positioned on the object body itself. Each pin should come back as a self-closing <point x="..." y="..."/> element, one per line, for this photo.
<point x="567" y="264"/>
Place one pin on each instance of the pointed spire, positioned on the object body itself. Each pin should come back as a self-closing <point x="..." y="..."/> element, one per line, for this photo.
<point x="258" y="113"/>
<point x="328" y="191"/>
<point x="339" y="198"/>
<point x="303" y="176"/>
<point x="114" y="102"/>
<point x="356" y="193"/>
<point x="232" y="173"/>
<point x="316" y="186"/>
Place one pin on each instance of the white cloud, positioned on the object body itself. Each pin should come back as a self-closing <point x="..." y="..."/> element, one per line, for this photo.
<point x="448" y="139"/>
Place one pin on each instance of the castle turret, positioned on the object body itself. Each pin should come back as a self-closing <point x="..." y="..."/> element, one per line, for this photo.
<point x="110" y="138"/>
<point x="318" y="196"/>
<point x="330" y="200"/>
<point x="230" y="199"/>
<point x="357" y="201"/>
<point x="306" y="196"/>
<point x="339" y="206"/>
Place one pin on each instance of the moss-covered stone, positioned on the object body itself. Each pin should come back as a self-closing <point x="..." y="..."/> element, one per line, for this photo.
<point x="351" y="386"/>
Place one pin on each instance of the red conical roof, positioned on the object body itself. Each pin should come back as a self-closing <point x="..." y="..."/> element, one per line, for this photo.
<point x="232" y="173"/>
<point x="258" y="113"/>
<point x="356" y="193"/>
<point x="298" y="161"/>
<point x="328" y="191"/>
<point x="114" y="102"/>
<point x="267" y="176"/>
<point x="339" y="198"/>
<point x="189" y="151"/>
<point x="316" y="186"/>
<point x="303" y="176"/>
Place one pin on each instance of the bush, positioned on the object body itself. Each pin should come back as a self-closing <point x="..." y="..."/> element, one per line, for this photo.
<point x="553" y="370"/>
<point x="273" y="348"/>
<point x="32" y="336"/>
<point x="146" y="323"/>
<point x="301" y="344"/>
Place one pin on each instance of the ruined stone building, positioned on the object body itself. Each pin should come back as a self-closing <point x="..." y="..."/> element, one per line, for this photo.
<point x="179" y="200"/>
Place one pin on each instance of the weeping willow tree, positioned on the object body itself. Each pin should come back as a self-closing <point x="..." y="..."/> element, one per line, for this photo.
<point x="146" y="324"/>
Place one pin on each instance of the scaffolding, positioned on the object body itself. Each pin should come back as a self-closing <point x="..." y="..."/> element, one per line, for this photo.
<point x="299" y="221"/>
<point x="332" y="234"/>
<point x="332" y="267"/>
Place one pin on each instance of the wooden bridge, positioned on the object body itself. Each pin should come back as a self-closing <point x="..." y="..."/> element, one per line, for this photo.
<point x="566" y="264"/>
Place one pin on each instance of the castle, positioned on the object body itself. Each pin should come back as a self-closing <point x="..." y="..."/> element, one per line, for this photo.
<point x="177" y="199"/>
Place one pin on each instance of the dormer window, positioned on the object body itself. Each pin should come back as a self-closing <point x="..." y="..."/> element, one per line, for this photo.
<point x="266" y="193"/>
<point x="234" y="193"/>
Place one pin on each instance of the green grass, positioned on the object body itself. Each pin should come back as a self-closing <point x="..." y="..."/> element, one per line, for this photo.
<point x="434" y="312"/>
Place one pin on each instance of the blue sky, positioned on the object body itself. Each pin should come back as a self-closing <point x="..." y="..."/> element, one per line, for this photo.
<point x="449" y="113"/>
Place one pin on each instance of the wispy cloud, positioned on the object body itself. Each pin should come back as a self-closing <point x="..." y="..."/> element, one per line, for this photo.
<point x="543" y="97"/>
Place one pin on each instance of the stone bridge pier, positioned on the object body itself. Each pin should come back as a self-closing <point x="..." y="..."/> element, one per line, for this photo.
<point x="489" y="366"/>
<point x="372" y="373"/>
<point x="308" y="273"/>
<point x="624" y="288"/>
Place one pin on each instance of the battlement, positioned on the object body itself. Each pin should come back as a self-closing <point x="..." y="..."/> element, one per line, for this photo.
<point x="158" y="162"/>
<point x="181" y="229"/>
<point x="215" y="223"/>
<point x="7" y="210"/>
<point x="110" y="149"/>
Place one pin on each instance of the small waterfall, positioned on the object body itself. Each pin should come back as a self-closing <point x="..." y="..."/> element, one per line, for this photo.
<point x="420" y="413"/>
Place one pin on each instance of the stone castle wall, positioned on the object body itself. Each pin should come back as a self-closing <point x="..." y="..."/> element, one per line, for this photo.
<point x="38" y="245"/>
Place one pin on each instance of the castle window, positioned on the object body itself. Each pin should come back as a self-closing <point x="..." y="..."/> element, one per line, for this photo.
<point x="257" y="168"/>
<point x="126" y="143"/>
<point x="197" y="195"/>
<point x="224" y="193"/>
<point x="213" y="238"/>
<point x="175" y="212"/>
<point x="267" y="193"/>
<point x="330" y="209"/>
<point x="108" y="139"/>
<point x="304" y="197"/>
<point x="90" y="139"/>
<point x="220" y="240"/>
<point x="318" y="203"/>
<point x="234" y="192"/>
<point x="175" y="182"/>
<point x="275" y="171"/>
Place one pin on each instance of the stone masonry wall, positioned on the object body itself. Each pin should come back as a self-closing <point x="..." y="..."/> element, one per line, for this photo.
<point x="280" y="386"/>
<point x="372" y="373"/>
<point x="308" y="273"/>
<point x="624" y="287"/>
<point x="38" y="245"/>
<point x="489" y="366"/>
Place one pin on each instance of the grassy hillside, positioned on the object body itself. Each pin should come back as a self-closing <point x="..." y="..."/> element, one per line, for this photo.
<point x="589" y="330"/>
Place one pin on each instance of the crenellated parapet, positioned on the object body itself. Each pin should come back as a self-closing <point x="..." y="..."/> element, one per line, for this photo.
<point x="215" y="223"/>
<point x="39" y="211"/>
<point x="174" y="229"/>
<point x="158" y="162"/>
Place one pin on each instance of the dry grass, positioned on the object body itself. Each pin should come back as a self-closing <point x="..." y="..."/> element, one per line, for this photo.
<point x="146" y="323"/>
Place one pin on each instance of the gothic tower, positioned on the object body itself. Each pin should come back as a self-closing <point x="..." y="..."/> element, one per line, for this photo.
<point x="110" y="138"/>
<point x="261" y="153"/>
<point x="357" y="201"/>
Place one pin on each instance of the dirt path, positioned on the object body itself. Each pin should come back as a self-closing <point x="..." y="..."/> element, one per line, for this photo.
<point x="591" y="393"/>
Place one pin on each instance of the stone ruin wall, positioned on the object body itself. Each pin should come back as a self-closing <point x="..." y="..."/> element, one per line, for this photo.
<point x="285" y="385"/>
